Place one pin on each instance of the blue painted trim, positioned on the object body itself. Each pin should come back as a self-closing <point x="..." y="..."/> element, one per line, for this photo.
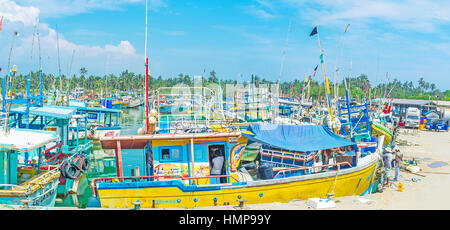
<point x="161" y="184"/>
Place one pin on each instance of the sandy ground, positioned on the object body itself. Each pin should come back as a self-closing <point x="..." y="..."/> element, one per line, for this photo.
<point x="429" y="192"/>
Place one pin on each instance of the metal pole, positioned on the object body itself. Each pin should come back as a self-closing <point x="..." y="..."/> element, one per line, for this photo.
<point x="192" y="158"/>
<point x="146" y="97"/>
<point x="14" y="70"/>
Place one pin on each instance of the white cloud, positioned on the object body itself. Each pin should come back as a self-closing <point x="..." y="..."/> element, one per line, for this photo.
<point x="120" y="56"/>
<point x="16" y="13"/>
<point x="261" y="9"/>
<point x="419" y="15"/>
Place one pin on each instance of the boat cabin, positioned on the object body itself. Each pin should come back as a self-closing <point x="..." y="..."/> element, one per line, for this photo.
<point x="106" y="121"/>
<point x="26" y="179"/>
<point x="188" y="157"/>
<point x="73" y="139"/>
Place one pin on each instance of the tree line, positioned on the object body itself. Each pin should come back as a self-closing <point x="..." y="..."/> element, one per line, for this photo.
<point x="359" y="87"/>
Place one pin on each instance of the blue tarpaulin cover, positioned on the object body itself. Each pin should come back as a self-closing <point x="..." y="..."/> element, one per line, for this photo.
<point x="300" y="138"/>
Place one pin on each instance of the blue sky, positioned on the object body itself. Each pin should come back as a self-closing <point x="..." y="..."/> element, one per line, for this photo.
<point x="408" y="39"/>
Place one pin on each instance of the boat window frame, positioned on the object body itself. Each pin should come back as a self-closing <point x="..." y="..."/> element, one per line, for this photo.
<point x="171" y="158"/>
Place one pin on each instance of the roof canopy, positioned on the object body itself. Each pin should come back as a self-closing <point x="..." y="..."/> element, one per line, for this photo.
<point x="26" y="139"/>
<point x="139" y="141"/>
<point x="300" y="138"/>
<point x="413" y="102"/>
<point x="61" y="112"/>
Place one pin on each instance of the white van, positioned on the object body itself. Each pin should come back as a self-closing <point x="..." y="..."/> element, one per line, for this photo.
<point x="412" y="118"/>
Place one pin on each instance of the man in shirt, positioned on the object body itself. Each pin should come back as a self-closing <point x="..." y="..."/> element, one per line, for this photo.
<point x="387" y="161"/>
<point x="398" y="161"/>
<point x="217" y="164"/>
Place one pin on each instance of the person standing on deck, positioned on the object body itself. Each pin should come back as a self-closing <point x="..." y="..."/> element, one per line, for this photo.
<point x="398" y="161"/>
<point x="326" y="155"/>
<point x="217" y="164"/>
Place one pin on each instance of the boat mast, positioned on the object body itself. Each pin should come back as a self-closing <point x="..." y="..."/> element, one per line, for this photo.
<point x="275" y="112"/>
<point x="59" y="65"/>
<point x="29" y="78"/>
<point x="13" y="72"/>
<point x="41" y="100"/>
<point x="338" y="61"/>
<point x="146" y="71"/>
<point x="325" y="78"/>
<point x="8" y="71"/>
<point x="68" y="78"/>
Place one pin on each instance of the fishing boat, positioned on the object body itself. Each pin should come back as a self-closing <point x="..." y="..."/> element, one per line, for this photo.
<point x="177" y="172"/>
<point x="186" y="109"/>
<point x="134" y="103"/>
<point x="379" y="130"/>
<point x="71" y="152"/>
<point x="130" y="102"/>
<point x="27" y="182"/>
<point x="111" y="103"/>
<point x="248" y="105"/>
<point x="100" y="122"/>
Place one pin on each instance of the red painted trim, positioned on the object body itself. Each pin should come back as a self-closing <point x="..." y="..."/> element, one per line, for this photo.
<point x="119" y="160"/>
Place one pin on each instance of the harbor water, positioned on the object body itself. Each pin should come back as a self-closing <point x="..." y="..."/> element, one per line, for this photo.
<point x="102" y="163"/>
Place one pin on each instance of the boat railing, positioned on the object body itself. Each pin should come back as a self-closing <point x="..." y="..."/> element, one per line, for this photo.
<point x="32" y="185"/>
<point x="303" y="168"/>
<point x="13" y="186"/>
<point x="288" y="155"/>
<point x="196" y="125"/>
<point x="147" y="178"/>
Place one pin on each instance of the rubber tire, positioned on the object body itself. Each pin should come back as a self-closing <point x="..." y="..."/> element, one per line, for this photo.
<point x="72" y="171"/>
<point x="85" y="165"/>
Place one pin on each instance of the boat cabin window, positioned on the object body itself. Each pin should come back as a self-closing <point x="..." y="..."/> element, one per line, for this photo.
<point x="165" y="154"/>
<point x="200" y="154"/>
<point x="170" y="154"/>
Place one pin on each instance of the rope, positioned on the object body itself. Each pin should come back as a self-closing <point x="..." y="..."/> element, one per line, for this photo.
<point x="337" y="172"/>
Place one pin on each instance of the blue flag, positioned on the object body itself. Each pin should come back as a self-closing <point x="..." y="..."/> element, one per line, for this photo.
<point x="314" y="32"/>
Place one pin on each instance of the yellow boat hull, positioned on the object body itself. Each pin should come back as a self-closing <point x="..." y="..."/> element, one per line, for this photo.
<point x="353" y="182"/>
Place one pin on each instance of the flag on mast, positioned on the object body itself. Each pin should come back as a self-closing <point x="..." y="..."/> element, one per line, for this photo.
<point x="315" y="70"/>
<point x="314" y="32"/>
<point x="1" y="21"/>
